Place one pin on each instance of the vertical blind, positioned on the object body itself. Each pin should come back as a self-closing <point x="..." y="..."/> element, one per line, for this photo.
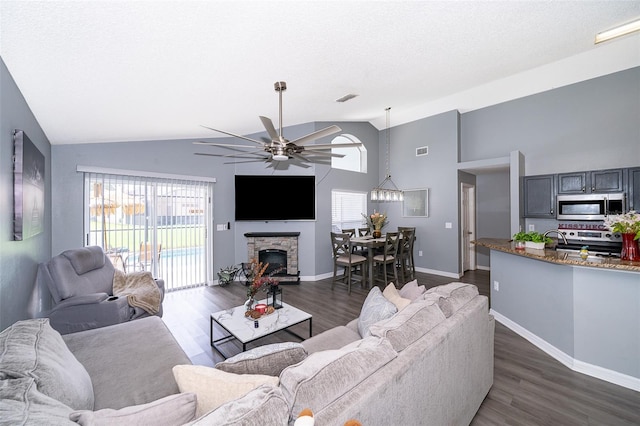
<point x="347" y="209"/>
<point x="152" y="224"/>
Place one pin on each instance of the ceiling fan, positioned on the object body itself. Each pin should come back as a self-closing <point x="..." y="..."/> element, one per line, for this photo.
<point x="278" y="148"/>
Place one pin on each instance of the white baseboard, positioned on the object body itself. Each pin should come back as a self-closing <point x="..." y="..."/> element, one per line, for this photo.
<point x="483" y="268"/>
<point x="596" y="371"/>
<point x="441" y="273"/>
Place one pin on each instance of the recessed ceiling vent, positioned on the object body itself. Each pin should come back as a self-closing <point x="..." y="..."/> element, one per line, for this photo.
<point x="423" y="150"/>
<point x="345" y="98"/>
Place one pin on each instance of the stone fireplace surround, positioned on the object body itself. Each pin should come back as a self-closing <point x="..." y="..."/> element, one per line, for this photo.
<point x="287" y="241"/>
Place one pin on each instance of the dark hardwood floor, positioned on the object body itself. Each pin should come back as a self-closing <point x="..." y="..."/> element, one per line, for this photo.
<point x="530" y="387"/>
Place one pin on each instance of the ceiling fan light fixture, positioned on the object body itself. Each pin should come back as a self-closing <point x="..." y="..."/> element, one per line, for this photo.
<point x="280" y="157"/>
<point x="618" y="31"/>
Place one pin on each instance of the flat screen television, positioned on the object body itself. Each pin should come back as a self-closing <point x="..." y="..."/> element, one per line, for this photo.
<point x="271" y="198"/>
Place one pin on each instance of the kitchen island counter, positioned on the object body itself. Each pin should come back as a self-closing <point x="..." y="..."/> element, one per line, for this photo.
<point x="585" y="314"/>
<point x="564" y="258"/>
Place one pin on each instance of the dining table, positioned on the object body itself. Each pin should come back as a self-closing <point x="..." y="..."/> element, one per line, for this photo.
<point x="370" y="244"/>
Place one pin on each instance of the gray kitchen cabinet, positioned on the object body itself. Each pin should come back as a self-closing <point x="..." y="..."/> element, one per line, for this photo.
<point x="607" y="180"/>
<point x="597" y="181"/>
<point x="539" y="196"/>
<point x="573" y="183"/>
<point x="633" y="190"/>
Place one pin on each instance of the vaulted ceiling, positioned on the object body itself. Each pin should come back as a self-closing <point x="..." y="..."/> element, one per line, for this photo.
<point x="102" y="71"/>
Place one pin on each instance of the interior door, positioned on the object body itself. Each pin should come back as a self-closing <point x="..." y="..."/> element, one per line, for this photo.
<point x="468" y="225"/>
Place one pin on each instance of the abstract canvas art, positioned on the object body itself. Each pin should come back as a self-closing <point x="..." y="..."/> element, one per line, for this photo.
<point x="28" y="188"/>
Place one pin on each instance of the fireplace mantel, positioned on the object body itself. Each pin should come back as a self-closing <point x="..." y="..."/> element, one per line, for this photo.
<point x="272" y="234"/>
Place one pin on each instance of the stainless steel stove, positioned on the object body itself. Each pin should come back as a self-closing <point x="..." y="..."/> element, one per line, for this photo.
<point x="599" y="239"/>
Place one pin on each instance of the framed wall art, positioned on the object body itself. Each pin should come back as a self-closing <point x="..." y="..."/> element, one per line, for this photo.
<point x="28" y="188"/>
<point x="415" y="203"/>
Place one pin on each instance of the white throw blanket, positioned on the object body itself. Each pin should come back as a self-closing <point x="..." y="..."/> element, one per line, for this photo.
<point x="140" y="288"/>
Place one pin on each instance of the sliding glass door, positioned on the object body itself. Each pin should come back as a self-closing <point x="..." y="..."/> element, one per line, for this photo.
<point x="152" y="224"/>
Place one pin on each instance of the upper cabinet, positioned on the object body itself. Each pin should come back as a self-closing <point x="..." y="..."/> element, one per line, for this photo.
<point x="539" y="196"/>
<point x="634" y="189"/>
<point x="591" y="182"/>
<point x="539" y="192"/>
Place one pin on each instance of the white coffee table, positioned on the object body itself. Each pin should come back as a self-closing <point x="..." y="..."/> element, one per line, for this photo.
<point x="237" y="326"/>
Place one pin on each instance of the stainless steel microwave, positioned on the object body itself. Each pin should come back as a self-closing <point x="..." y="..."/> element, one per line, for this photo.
<point x="589" y="206"/>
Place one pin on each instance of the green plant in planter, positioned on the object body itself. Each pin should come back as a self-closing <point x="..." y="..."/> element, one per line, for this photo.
<point x="227" y="274"/>
<point x="533" y="236"/>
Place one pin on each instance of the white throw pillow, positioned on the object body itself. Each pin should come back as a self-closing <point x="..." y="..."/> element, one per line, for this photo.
<point x="392" y="295"/>
<point x="375" y="308"/>
<point x="215" y="387"/>
<point x="411" y="290"/>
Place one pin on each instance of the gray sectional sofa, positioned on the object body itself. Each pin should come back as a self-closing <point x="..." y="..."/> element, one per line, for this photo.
<point x="431" y="363"/>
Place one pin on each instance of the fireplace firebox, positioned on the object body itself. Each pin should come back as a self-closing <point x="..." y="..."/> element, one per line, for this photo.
<point x="279" y="249"/>
<point x="277" y="260"/>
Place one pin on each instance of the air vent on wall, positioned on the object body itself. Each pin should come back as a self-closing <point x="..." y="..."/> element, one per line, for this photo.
<point x="423" y="150"/>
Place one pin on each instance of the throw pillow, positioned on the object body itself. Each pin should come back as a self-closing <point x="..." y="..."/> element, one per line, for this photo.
<point x="375" y="308"/>
<point x="392" y="295"/>
<point x="215" y="387"/>
<point x="409" y="325"/>
<point x="176" y="409"/>
<point x="457" y="294"/>
<point x="411" y="290"/>
<point x="324" y="377"/>
<point x="264" y="405"/>
<point x="268" y="359"/>
<point x="32" y="348"/>
<point x="21" y="403"/>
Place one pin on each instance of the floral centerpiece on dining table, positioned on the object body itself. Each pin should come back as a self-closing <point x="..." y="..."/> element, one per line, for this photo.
<point x="628" y="225"/>
<point x="376" y="222"/>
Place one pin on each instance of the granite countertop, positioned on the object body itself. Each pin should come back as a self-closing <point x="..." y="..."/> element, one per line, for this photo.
<point x="563" y="258"/>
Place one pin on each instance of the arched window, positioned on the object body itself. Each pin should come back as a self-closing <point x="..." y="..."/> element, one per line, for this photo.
<point x="355" y="159"/>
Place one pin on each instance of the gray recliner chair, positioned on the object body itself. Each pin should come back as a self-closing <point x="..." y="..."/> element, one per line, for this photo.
<point x="81" y="284"/>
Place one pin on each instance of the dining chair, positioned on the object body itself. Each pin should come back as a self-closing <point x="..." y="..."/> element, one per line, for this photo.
<point x="363" y="232"/>
<point x="344" y="257"/>
<point x="388" y="257"/>
<point x="350" y="231"/>
<point x="405" y="253"/>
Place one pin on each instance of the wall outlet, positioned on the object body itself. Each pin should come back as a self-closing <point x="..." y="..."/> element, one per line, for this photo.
<point x="532" y="227"/>
<point x="496" y="286"/>
<point x="447" y="225"/>
<point x="419" y="252"/>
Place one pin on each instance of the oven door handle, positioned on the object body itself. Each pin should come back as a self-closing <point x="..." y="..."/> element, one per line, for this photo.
<point x="606" y="206"/>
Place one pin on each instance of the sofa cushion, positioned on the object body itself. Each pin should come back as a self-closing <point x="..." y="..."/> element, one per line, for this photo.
<point x="268" y="359"/>
<point x="456" y="294"/>
<point x="171" y="410"/>
<point x="325" y="376"/>
<point x="31" y="348"/>
<point x="124" y="361"/>
<point x="334" y="338"/>
<point x="375" y="308"/>
<point x="391" y="294"/>
<point x="215" y="387"/>
<point x="409" y="324"/>
<point x="22" y="404"/>
<point x="264" y="405"/>
<point x="411" y="290"/>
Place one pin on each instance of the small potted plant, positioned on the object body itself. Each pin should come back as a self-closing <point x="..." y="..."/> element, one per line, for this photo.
<point x="531" y="239"/>
<point x="227" y="275"/>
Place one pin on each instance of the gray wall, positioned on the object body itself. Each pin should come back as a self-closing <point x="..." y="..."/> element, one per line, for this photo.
<point x="20" y="298"/>
<point x="492" y="210"/>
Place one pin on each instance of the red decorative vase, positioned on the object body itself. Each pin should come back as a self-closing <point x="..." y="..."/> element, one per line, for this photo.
<point x="630" y="250"/>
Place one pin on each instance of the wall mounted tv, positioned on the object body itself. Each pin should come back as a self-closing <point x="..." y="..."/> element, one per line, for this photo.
<point x="270" y="198"/>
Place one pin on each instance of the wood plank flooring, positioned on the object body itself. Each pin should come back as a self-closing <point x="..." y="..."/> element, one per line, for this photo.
<point x="530" y="387"/>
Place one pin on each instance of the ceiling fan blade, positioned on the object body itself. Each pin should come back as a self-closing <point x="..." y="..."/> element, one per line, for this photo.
<point x="265" y="160"/>
<point x="323" y="154"/>
<point x="316" y="135"/>
<point x="235" y="136"/>
<point x="226" y="145"/>
<point x="239" y="155"/>
<point x="332" y="145"/>
<point x="271" y="130"/>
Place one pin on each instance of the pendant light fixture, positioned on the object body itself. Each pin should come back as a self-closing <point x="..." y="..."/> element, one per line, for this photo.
<point x="387" y="190"/>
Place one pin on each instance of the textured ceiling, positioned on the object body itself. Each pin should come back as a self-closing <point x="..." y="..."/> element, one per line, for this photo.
<point x="99" y="71"/>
